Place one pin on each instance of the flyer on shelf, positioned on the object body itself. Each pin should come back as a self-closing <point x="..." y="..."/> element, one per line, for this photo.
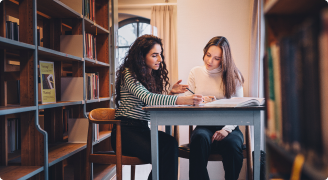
<point x="47" y="75"/>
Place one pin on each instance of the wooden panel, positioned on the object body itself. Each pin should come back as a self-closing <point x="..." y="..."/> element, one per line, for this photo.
<point x="64" y="149"/>
<point x="26" y="21"/>
<point x="79" y="165"/>
<point x="282" y="25"/>
<point x="53" y="122"/>
<point x="104" y="82"/>
<point x="102" y="48"/>
<point x="58" y="71"/>
<point x="76" y="27"/>
<point x="16" y="172"/>
<point x="3" y="88"/>
<point x="11" y="76"/>
<point x="3" y="19"/>
<point x="102" y="13"/>
<point x="77" y="69"/>
<point x="56" y="171"/>
<point x="55" y="32"/>
<point x="77" y="111"/>
<point x="26" y="78"/>
<point x="3" y="141"/>
<point x="32" y="153"/>
<point x="46" y="32"/>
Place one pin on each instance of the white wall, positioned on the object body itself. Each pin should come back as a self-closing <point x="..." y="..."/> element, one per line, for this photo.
<point x="140" y="8"/>
<point x="198" y="22"/>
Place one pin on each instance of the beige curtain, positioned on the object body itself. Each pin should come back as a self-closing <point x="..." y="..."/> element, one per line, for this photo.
<point x="164" y="25"/>
<point x="256" y="83"/>
<point x="163" y="21"/>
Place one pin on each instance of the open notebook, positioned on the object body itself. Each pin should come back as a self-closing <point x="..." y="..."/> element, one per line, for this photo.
<point x="237" y="102"/>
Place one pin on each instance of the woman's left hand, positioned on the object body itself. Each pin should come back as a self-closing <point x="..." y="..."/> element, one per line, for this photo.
<point x="178" y="88"/>
<point x="219" y="135"/>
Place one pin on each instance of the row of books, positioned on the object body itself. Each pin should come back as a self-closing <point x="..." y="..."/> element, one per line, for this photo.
<point x="90" y="43"/>
<point x="12" y="30"/>
<point x="294" y="76"/>
<point x="89" y="9"/>
<point x="14" y="139"/>
<point x="92" y="85"/>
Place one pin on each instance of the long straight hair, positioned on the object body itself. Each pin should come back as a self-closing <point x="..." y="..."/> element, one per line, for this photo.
<point x="231" y="76"/>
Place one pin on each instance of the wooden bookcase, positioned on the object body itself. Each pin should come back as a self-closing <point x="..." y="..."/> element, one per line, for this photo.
<point x="44" y="149"/>
<point x="294" y="81"/>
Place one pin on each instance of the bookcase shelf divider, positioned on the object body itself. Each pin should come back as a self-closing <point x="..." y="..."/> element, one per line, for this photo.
<point x="44" y="151"/>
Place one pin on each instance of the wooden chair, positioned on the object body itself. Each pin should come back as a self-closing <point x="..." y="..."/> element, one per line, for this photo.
<point x="106" y="116"/>
<point x="184" y="151"/>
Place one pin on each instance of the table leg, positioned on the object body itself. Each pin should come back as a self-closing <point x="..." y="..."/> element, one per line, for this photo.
<point x="168" y="129"/>
<point x="154" y="145"/>
<point x="257" y="144"/>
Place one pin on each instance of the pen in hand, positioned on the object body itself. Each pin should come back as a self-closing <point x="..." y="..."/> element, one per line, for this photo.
<point x="190" y="90"/>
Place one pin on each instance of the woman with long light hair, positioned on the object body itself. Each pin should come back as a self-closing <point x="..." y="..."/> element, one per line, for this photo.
<point x="218" y="78"/>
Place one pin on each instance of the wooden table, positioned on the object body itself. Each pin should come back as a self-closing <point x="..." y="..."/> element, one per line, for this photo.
<point x="199" y="115"/>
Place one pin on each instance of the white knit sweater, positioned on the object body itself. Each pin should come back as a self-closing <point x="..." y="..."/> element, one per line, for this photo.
<point x="209" y="83"/>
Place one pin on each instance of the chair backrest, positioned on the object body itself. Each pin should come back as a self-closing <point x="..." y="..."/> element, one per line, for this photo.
<point x="102" y="114"/>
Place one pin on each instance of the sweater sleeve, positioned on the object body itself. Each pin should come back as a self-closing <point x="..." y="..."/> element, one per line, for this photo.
<point x="149" y="98"/>
<point x="191" y="84"/>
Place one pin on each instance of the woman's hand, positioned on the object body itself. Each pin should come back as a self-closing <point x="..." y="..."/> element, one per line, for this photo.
<point x="190" y="100"/>
<point x="209" y="99"/>
<point x="219" y="135"/>
<point x="178" y="88"/>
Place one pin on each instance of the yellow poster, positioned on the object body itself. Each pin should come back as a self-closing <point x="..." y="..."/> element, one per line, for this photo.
<point x="48" y="90"/>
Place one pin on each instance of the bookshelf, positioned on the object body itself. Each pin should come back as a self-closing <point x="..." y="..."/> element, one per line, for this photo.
<point x="295" y="83"/>
<point x="45" y="152"/>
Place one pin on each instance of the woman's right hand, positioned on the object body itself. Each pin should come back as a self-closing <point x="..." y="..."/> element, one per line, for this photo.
<point x="194" y="99"/>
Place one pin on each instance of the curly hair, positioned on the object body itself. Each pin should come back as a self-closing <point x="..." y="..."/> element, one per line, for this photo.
<point x="135" y="61"/>
<point x="231" y="76"/>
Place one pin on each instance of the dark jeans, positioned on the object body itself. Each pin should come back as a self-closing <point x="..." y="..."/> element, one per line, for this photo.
<point x="201" y="146"/>
<point x="136" y="143"/>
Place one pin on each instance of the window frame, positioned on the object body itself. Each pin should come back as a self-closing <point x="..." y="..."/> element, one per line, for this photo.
<point x="132" y="20"/>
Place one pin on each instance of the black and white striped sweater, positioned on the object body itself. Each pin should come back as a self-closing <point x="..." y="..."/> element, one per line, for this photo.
<point x="134" y="96"/>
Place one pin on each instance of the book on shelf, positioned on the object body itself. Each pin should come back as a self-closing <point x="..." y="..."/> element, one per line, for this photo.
<point x="71" y="88"/>
<point x="92" y="85"/>
<point x="237" y="102"/>
<point x="12" y="30"/>
<point x="295" y="94"/>
<point x="89" y="8"/>
<point x="90" y="43"/>
<point x="14" y="139"/>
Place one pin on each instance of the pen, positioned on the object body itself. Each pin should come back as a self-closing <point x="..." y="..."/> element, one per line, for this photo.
<point x="190" y="90"/>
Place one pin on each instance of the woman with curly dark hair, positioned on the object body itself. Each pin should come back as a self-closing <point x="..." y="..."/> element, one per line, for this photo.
<point x="141" y="80"/>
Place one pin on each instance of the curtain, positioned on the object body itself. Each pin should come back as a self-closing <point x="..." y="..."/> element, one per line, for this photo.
<point x="163" y="21"/>
<point x="256" y="83"/>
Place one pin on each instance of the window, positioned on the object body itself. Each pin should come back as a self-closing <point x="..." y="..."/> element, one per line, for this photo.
<point x="128" y="32"/>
